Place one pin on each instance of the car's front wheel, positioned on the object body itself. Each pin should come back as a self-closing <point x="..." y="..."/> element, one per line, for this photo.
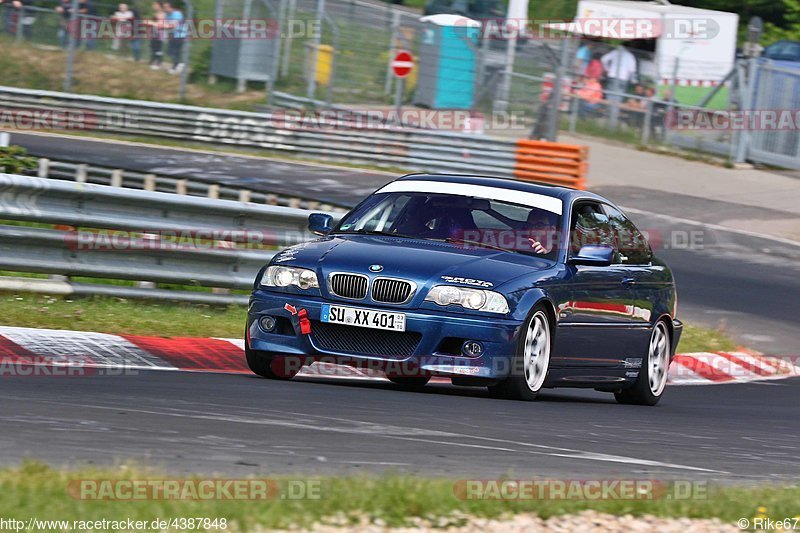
<point x="271" y="366"/>
<point x="652" y="380"/>
<point x="531" y="363"/>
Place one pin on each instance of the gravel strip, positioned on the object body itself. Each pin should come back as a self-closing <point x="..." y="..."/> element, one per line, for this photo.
<point x="585" y="522"/>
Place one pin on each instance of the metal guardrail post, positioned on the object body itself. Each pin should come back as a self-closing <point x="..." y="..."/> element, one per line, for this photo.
<point x="311" y="89"/>
<point x="287" y="47"/>
<point x="81" y="173"/>
<point x="44" y="168"/>
<point x="648" y="121"/>
<point x="20" y="15"/>
<point x="116" y="178"/>
<point x="555" y="97"/>
<point x="574" y="105"/>
<point x="748" y="102"/>
<point x="186" y="54"/>
<point x="387" y="86"/>
<point x="73" y="32"/>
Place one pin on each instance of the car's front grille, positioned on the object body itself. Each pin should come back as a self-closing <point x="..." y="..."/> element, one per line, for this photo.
<point x="364" y="341"/>
<point x="352" y="286"/>
<point x="391" y="291"/>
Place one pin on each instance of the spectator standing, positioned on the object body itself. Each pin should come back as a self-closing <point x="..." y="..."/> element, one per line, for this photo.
<point x="65" y="11"/>
<point x="123" y="25"/>
<point x="157" y="36"/>
<point x="620" y="67"/>
<point x="582" y="57"/>
<point x="14" y="14"/>
<point x="177" y="35"/>
<point x="87" y="11"/>
<point x="135" y="40"/>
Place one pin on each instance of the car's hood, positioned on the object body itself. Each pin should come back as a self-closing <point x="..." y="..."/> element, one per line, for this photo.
<point x="423" y="261"/>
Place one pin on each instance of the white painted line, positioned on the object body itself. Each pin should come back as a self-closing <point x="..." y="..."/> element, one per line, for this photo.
<point x="716" y="227"/>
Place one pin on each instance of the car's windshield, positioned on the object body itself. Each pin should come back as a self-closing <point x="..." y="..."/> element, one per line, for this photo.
<point x="462" y="220"/>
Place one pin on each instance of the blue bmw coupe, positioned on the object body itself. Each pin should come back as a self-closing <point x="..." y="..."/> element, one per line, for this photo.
<point x="491" y="282"/>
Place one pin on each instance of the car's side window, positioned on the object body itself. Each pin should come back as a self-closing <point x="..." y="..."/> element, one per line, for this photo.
<point x="589" y="226"/>
<point x="630" y="245"/>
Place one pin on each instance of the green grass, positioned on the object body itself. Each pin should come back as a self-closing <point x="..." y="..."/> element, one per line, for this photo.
<point x="700" y="339"/>
<point x="117" y="315"/>
<point x="34" y="489"/>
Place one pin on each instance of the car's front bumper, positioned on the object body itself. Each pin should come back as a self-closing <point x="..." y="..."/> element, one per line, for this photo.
<point x="498" y="338"/>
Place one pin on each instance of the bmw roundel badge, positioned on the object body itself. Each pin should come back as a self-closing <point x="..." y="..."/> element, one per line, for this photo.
<point x="375" y="268"/>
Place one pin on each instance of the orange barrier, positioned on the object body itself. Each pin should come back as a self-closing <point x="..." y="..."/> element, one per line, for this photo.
<point x="554" y="163"/>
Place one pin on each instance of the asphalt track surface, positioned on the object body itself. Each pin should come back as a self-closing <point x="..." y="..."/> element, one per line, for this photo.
<point x="240" y="424"/>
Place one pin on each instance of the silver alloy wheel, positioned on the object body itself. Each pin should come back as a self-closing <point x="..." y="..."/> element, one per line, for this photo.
<point x="536" y="354"/>
<point x="658" y="359"/>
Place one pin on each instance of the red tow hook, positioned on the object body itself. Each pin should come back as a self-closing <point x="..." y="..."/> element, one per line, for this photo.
<point x="305" y="323"/>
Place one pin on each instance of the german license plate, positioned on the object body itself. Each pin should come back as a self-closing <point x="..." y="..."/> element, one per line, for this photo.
<point x="365" y="318"/>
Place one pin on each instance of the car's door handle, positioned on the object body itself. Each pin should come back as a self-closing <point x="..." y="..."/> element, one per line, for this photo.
<point x="629" y="282"/>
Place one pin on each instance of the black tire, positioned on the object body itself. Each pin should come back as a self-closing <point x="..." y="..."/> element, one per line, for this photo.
<point x="269" y="365"/>
<point x="409" y="382"/>
<point x="516" y="386"/>
<point x="642" y="392"/>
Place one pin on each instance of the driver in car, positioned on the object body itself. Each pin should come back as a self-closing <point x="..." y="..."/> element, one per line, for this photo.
<point x="543" y="231"/>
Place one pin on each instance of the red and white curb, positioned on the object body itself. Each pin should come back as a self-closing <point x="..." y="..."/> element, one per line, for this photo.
<point x="59" y="348"/>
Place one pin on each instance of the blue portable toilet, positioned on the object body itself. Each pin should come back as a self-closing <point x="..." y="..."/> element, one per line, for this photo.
<point x="447" y="62"/>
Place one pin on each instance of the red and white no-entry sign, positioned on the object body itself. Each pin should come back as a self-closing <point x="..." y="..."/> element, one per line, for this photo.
<point x="402" y="64"/>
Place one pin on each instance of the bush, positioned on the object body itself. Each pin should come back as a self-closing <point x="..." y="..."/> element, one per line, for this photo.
<point x="13" y="160"/>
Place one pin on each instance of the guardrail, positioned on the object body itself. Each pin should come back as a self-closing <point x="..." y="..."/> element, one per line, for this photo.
<point x="389" y="146"/>
<point x="151" y="247"/>
<point x="117" y="177"/>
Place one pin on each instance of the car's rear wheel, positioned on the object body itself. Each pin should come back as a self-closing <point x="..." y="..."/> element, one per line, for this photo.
<point x="531" y="363"/>
<point x="652" y="380"/>
<point x="272" y="366"/>
<point x="409" y="382"/>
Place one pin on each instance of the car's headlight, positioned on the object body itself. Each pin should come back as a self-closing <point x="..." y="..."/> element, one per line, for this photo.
<point x="477" y="299"/>
<point x="284" y="276"/>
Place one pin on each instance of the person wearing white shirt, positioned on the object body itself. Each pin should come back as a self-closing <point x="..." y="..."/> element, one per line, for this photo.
<point x="620" y="67"/>
<point x="620" y="64"/>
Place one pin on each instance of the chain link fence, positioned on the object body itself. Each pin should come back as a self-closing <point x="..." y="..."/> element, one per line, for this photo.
<point x="336" y="54"/>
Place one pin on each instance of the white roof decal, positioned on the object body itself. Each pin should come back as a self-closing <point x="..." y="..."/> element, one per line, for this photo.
<point x="530" y="199"/>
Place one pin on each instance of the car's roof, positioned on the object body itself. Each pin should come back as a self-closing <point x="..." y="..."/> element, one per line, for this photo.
<point x="566" y="194"/>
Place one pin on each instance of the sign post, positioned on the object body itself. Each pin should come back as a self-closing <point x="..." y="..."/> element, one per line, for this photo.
<point x="402" y="65"/>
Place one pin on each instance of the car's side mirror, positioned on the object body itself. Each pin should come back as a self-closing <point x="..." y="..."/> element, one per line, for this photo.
<point x="320" y="223"/>
<point x="593" y="255"/>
